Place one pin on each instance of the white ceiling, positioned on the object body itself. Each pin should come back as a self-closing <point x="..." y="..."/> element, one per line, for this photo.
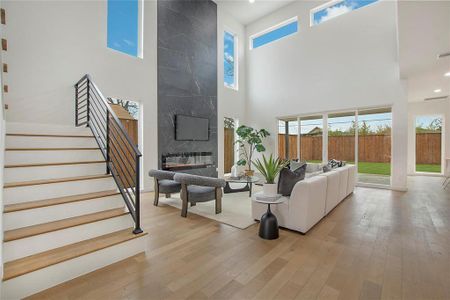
<point x="424" y="33"/>
<point x="246" y="12"/>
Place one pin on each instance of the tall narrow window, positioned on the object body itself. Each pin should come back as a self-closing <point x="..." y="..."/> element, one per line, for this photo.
<point x="123" y="26"/>
<point x="229" y="60"/>
<point x="274" y="33"/>
<point x="335" y="8"/>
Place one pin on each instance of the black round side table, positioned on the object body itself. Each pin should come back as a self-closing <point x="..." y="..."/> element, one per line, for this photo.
<point x="268" y="226"/>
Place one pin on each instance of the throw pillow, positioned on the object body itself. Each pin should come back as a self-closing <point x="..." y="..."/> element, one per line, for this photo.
<point x="326" y="168"/>
<point x="294" y="165"/>
<point x="289" y="178"/>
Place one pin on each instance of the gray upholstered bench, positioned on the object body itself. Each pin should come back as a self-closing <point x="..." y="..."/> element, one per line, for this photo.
<point x="164" y="183"/>
<point x="199" y="189"/>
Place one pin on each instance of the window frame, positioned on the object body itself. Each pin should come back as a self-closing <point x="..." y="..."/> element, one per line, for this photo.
<point x="235" y="85"/>
<point x="140" y="31"/>
<point x="273" y="28"/>
<point x="327" y="5"/>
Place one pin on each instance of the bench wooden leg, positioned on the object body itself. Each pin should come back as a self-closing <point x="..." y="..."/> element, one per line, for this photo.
<point x="184" y="199"/>
<point x="155" y="202"/>
<point x="218" y="200"/>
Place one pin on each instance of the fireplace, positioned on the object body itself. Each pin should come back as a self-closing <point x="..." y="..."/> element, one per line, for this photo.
<point x="187" y="161"/>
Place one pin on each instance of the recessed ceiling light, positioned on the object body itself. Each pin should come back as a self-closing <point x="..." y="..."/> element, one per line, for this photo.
<point x="251" y="1"/>
<point x="447" y="74"/>
<point x="437" y="90"/>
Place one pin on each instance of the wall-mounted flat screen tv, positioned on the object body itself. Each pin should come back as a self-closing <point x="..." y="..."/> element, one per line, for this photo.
<point x="188" y="128"/>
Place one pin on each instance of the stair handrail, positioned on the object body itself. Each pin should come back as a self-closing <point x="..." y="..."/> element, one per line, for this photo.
<point x="114" y="142"/>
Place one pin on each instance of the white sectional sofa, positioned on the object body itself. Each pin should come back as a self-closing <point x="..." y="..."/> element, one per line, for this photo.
<point x="311" y="199"/>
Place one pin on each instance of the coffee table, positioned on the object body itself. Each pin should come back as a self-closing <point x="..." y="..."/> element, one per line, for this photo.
<point x="248" y="180"/>
<point x="268" y="225"/>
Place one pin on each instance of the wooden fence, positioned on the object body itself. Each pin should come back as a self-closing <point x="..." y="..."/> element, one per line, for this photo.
<point x="371" y="148"/>
<point x="228" y="149"/>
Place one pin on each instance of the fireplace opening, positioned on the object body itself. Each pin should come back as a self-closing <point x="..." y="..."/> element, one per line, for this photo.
<point x="187" y="161"/>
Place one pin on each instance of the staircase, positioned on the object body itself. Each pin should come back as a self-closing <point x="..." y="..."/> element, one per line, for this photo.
<point x="64" y="214"/>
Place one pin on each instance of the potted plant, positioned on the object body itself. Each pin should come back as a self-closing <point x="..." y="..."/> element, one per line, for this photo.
<point x="249" y="140"/>
<point x="270" y="168"/>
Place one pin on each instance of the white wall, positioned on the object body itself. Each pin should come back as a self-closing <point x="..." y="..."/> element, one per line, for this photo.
<point x="231" y="103"/>
<point x="345" y="63"/>
<point x="438" y="107"/>
<point x="53" y="43"/>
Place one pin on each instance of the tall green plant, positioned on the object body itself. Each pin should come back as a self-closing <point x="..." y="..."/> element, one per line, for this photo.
<point x="270" y="168"/>
<point x="249" y="140"/>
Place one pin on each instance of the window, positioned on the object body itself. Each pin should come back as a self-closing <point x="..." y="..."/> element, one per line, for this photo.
<point x="274" y="33"/>
<point x="123" y="26"/>
<point x="336" y="8"/>
<point x="229" y="60"/>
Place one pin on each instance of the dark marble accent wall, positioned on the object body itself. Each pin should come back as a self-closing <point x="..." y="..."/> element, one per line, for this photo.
<point x="187" y="74"/>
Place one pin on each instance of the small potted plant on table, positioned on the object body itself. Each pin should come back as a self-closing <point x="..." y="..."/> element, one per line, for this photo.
<point x="270" y="168"/>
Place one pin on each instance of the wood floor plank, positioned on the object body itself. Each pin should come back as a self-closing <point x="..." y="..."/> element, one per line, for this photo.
<point x="20" y="233"/>
<point x="35" y="262"/>
<point x="375" y="244"/>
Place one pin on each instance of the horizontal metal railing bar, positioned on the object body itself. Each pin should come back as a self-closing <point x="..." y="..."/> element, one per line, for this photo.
<point x="81" y="107"/>
<point x="119" y="178"/>
<point x="121" y="153"/>
<point x="126" y="172"/>
<point x="113" y="115"/>
<point x="79" y="91"/>
<point x="124" y="152"/>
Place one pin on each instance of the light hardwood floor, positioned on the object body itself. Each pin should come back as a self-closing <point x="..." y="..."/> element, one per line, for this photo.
<point x="376" y="244"/>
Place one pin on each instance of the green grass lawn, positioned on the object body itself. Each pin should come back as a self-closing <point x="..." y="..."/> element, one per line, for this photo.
<point x="385" y="168"/>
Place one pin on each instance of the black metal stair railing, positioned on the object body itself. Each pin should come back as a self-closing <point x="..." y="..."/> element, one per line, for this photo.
<point x="120" y="152"/>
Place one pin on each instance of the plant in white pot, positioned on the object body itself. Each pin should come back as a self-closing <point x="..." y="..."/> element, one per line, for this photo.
<point x="270" y="168"/>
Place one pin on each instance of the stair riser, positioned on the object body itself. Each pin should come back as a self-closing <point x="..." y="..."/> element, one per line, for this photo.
<point x="52" y="172"/>
<point x="35" y="244"/>
<point x="28" y="157"/>
<point x="48" y="142"/>
<point x="34" y="282"/>
<point x="54" y="190"/>
<point x="35" y="216"/>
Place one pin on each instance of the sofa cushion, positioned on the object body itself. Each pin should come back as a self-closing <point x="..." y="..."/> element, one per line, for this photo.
<point x="197" y="193"/>
<point x="289" y="178"/>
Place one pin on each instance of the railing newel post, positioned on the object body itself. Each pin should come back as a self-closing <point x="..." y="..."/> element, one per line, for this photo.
<point x="88" y="102"/>
<point x="76" y="104"/>
<point x="137" y="204"/>
<point x="108" y="158"/>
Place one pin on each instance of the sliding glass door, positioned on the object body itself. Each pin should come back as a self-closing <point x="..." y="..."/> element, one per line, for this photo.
<point x="342" y="136"/>
<point x="374" y="146"/>
<point x="429" y="144"/>
<point x="311" y="135"/>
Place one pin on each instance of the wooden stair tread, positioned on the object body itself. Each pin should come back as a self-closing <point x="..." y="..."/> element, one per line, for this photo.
<point x="54" y="180"/>
<point x="24" y="232"/>
<point x="55" y="201"/>
<point x="53" y="149"/>
<point x="50" y="135"/>
<point x="45" y="259"/>
<point x="55" y="164"/>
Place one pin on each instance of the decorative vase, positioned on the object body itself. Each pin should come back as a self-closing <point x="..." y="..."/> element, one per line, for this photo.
<point x="270" y="189"/>
<point x="249" y="173"/>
